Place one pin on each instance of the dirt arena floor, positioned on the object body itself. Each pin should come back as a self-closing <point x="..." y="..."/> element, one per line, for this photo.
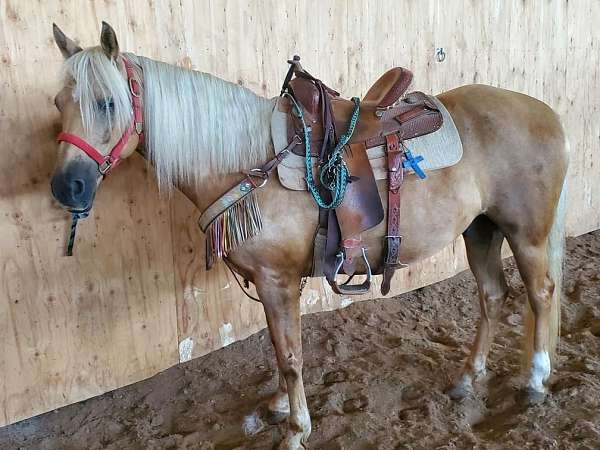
<point x="375" y="375"/>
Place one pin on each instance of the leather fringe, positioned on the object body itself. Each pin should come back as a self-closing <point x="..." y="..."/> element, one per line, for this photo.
<point x="232" y="228"/>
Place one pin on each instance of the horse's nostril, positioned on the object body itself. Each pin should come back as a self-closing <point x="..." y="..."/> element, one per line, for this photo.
<point x="74" y="185"/>
<point x="77" y="187"/>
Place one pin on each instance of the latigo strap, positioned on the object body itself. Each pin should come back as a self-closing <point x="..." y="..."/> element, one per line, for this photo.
<point x="393" y="239"/>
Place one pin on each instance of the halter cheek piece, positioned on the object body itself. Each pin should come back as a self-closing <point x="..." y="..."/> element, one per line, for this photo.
<point x="107" y="162"/>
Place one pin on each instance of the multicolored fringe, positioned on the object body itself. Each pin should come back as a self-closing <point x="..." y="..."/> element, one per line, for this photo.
<point x="231" y="228"/>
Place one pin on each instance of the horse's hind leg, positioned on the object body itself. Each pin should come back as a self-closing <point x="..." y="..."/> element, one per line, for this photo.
<point x="274" y="411"/>
<point x="281" y="301"/>
<point x="533" y="264"/>
<point x="483" y="241"/>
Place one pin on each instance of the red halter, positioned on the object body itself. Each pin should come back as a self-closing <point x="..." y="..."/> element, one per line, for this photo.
<point x="107" y="162"/>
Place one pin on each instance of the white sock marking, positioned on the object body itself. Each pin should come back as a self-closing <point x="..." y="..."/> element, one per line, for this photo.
<point x="253" y="424"/>
<point x="479" y="367"/>
<point x="540" y="371"/>
<point x="280" y="403"/>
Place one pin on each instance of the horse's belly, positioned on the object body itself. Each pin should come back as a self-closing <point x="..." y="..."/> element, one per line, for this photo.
<point x="433" y="213"/>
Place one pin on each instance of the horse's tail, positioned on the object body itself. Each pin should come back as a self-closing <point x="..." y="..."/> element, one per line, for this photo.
<point x="555" y="254"/>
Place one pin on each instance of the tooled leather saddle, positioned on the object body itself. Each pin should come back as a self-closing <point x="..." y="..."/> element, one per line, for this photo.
<point x="384" y="119"/>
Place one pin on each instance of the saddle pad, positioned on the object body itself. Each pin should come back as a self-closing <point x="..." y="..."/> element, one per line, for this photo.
<point x="440" y="149"/>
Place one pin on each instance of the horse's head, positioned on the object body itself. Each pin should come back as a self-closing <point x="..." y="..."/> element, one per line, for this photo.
<point x="100" y="111"/>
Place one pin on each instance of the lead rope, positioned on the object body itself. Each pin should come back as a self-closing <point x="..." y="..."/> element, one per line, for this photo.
<point x="334" y="173"/>
<point x="75" y="216"/>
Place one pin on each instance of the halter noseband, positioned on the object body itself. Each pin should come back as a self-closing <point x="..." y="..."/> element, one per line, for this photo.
<point x="107" y="162"/>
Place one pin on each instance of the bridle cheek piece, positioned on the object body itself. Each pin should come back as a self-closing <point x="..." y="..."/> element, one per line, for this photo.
<point x="107" y="162"/>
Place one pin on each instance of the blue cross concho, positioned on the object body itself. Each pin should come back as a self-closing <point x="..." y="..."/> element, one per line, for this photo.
<point x="412" y="162"/>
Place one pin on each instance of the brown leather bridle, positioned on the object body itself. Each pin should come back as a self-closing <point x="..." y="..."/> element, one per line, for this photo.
<point x="112" y="159"/>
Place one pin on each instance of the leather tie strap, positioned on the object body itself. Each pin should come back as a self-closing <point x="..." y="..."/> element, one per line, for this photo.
<point x="393" y="238"/>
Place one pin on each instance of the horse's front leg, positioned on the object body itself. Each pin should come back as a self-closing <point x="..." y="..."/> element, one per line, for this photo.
<point x="280" y="297"/>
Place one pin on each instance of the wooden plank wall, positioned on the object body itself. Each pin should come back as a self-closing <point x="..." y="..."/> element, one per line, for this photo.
<point x="71" y="328"/>
<point x="135" y="299"/>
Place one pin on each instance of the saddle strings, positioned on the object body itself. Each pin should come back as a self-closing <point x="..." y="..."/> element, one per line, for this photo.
<point x="333" y="175"/>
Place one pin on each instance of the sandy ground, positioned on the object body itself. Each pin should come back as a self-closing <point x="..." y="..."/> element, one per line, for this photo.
<point x="375" y="375"/>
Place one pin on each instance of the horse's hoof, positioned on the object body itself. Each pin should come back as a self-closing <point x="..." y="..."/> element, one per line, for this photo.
<point x="531" y="397"/>
<point x="294" y="441"/>
<point x="460" y="392"/>
<point x="462" y="389"/>
<point x="287" y="446"/>
<point x="253" y="424"/>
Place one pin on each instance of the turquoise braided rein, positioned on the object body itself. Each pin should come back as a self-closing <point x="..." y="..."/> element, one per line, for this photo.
<point x="334" y="173"/>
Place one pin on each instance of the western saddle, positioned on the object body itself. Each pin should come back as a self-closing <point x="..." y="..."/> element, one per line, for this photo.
<point x="327" y="123"/>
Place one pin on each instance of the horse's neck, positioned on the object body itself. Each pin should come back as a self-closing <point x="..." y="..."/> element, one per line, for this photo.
<point x="252" y="128"/>
<point x="209" y="189"/>
<point x="206" y="190"/>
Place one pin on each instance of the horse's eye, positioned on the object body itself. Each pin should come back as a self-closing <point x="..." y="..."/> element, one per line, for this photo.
<point x="105" y="105"/>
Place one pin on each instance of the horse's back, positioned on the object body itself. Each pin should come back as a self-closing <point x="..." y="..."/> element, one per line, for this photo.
<point x="502" y="111"/>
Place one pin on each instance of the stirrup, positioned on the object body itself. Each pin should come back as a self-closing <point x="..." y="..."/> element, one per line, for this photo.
<point x="351" y="289"/>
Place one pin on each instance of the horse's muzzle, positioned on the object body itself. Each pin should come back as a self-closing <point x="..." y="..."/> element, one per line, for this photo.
<point x="74" y="185"/>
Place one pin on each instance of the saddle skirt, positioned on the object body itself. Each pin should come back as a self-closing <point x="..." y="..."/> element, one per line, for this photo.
<point x="440" y="149"/>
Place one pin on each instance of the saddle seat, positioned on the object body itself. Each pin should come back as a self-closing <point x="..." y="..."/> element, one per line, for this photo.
<point x="386" y="91"/>
<point x="381" y="112"/>
<point x="383" y="119"/>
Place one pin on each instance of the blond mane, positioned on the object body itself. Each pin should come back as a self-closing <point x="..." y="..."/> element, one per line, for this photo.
<point x="97" y="78"/>
<point x="196" y="124"/>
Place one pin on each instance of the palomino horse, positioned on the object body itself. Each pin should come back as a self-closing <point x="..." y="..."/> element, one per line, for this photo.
<point x="201" y="131"/>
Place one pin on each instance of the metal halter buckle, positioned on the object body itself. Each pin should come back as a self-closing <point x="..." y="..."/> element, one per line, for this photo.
<point x="134" y="92"/>
<point x="396" y="264"/>
<point x="259" y="173"/>
<point x="104" y="167"/>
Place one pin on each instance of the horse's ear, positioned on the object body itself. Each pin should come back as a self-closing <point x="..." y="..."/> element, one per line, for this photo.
<point x="108" y="40"/>
<point x="66" y="46"/>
